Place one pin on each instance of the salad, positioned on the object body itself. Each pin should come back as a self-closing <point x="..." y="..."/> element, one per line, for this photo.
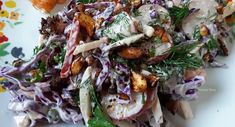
<point x="117" y="63"/>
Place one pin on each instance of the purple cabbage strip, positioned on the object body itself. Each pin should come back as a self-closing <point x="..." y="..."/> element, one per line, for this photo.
<point x="15" y="81"/>
<point x="66" y="114"/>
<point x="22" y="69"/>
<point x="106" y="13"/>
<point x="69" y="115"/>
<point x="97" y="4"/>
<point x="216" y="64"/>
<point x="123" y="79"/>
<point x="104" y="60"/>
<point x="155" y="1"/>
<point x="188" y="90"/>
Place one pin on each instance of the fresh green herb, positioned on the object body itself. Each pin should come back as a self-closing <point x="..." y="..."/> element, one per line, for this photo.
<point x="38" y="77"/>
<point x="3" y="52"/>
<point x="164" y="72"/>
<point x="86" y="1"/>
<point x="179" y="13"/>
<point x="38" y="48"/>
<point x="155" y="22"/>
<point x="75" y="97"/>
<point x="157" y="40"/>
<point x="59" y="58"/>
<point x="122" y="21"/>
<point x="143" y="98"/>
<point x="131" y="64"/>
<point x="42" y="66"/>
<point x="187" y="61"/>
<point x="100" y="119"/>
<point x="40" y="72"/>
<point x="152" y="52"/>
<point x="196" y="33"/>
<point x="128" y="63"/>
<point x="209" y="17"/>
<point x="136" y="13"/>
<point x="182" y="58"/>
<point x="211" y="44"/>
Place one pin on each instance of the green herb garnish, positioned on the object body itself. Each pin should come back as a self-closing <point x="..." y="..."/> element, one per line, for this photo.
<point x="39" y="72"/>
<point x="143" y="98"/>
<point x="136" y="13"/>
<point x="152" y="52"/>
<point x="59" y="58"/>
<point x="75" y="97"/>
<point x="86" y="1"/>
<point x="37" y="49"/>
<point x="157" y="40"/>
<point x="100" y="119"/>
<point x="181" y="57"/>
<point x="196" y="33"/>
<point x="179" y="13"/>
<point x="211" y="44"/>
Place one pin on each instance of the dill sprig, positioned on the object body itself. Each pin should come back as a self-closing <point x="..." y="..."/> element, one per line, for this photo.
<point x="179" y="13"/>
<point x="182" y="58"/>
<point x="211" y="44"/>
<point x="86" y="1"/>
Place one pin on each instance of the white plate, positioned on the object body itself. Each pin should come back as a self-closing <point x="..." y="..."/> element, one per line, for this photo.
<point x="214" y="108"/>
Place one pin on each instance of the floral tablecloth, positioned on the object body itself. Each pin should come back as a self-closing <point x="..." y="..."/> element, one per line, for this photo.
<point x="19" y="24"/>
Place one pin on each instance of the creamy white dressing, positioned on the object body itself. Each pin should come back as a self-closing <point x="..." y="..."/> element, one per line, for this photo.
<point x="84" y="96"/>
<point x="126" y="41"/>
<point x="162" y="48"/>
<point x="22" y="120"/>
<point x="145" y="10"/>
<point x="122" y="111"/>
<point x="122" y="25"/>
<point x="90" y="45"/>
<point x="207" y="9"/>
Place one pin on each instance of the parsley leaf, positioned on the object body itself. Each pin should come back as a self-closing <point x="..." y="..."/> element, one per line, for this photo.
<point x="37" y="49"/>
<point x="100" y="119"/>
<point x="59" y="58"/>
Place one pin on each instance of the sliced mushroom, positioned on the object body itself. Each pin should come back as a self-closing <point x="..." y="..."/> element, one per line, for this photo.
<point x="138" y="81"/>
<point x="131" y="53"/>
